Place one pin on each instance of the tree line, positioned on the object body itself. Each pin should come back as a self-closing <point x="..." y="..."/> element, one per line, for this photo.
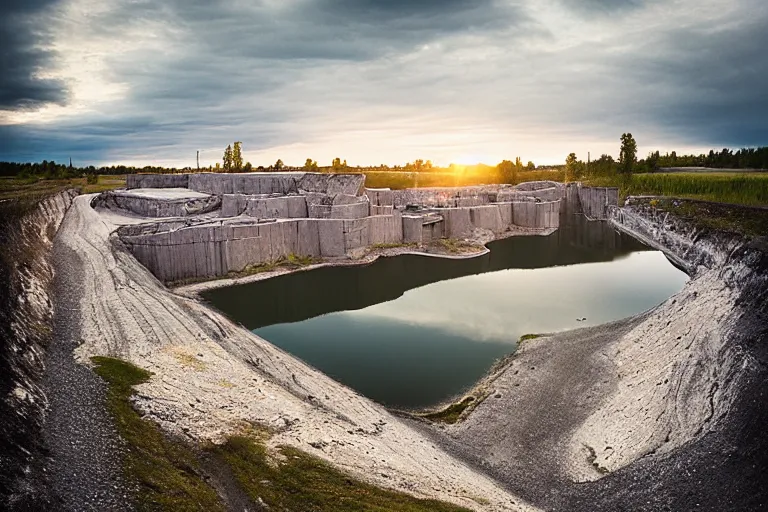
<point x="506" y="170"/>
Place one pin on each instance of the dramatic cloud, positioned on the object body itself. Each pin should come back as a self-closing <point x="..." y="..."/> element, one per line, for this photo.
<point x="382" y="81"/>
<point x="23" y="55"/>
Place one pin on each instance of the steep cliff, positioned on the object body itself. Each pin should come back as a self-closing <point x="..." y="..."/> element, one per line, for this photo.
<point x="662" y="411"/>
<point x="27" y="229"/>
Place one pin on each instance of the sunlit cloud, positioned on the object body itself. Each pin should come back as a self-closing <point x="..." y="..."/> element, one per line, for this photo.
<point x="377" y="81"/>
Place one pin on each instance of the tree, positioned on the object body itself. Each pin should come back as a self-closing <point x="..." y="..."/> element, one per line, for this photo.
<point x="652" y="162"/>
<point x="279" y="165"/>
<point x="508" y="171"/>
<point x="570" y="167"/>
<point x="248" y="167"/>
<point x="237" y="157"/>
<point x="228" y="159"/>
<point x="336" y="164"/>
<point x="531" y="166"/>
<point x="310" y="165"/>
<point x="628" y="153"/>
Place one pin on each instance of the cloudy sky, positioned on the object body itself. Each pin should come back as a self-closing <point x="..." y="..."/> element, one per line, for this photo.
<point x="377" y="81"/>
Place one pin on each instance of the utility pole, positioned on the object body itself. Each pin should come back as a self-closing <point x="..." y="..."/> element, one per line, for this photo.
<point x="198" y="159"/>
<point x="589" y="159"/>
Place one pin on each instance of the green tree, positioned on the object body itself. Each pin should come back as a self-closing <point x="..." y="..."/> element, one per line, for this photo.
<point x="508" y="171"/>
<point x="310" y="165"/>
<point x="336" y="164"/>
<point x="518" y="164"/>
<point x="570" y="167"/>
<point x="628" y="153"/>
<point x="531" y="166"/>
<point x="237" y="157"/>
<point x="248" y="167"/>
<point x="279" y="165"/>
<point x="228" y="159"/>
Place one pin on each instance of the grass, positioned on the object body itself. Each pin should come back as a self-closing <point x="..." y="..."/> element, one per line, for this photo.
<point x="452" y="413"/>
<point x="402" y="180"/>
<point x="36" y="188"/>
<point x="455" y="246"/>
<point x="169" y="478"/>
<point x="296" y="480"/>
<point x="734" y="188"/>
<point x="526" y="337"/>
<point x="166" y="471"/>
<point x="393" y="245"/>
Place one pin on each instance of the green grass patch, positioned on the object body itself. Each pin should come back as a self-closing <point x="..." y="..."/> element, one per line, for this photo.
<point x="526" y="337"/>
<point x="37" y="188"/>
<point x="452" y="413"/>
<point x="472" y="175"/>
<point x="166" y="471"/>
<point x="296" y="480"/>
<point x="455" y="246"/>
<point x="168" y="476"/>
<point x="734" y="188"/>
<point x="393" y="245"/>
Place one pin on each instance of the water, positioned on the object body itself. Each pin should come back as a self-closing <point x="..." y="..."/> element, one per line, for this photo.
<point x="413" y="331"/>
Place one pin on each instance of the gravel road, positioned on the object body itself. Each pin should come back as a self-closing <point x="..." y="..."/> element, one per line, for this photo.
<point x="83" y="470"/>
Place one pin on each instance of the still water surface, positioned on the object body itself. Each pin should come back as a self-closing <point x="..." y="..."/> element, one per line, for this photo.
<point x="413" y="331"/>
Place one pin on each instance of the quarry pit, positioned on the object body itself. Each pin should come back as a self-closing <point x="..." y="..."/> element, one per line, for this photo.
<point x="650" y="412"/>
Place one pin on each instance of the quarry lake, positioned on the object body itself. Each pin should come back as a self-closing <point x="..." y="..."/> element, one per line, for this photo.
<point x="413" y="331"/>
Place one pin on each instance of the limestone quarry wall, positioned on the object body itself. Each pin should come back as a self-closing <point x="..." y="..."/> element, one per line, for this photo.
<point x="594" y="202"/>
<point x="157" y="207"/>
<point x="26" y="315"/>
<point x="133" y="181"/>
<point x="264" y="207"/>
<point x="323" y="215"/>
<point x="172" y="252"/>
<point x="253" y="183"/>
<point x="447" y="197"/>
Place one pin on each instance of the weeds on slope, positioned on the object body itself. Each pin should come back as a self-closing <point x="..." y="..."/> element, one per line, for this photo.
<point x="299" y="481"/>
<point x="169" y="477"/>
<point x="167" y="472"/>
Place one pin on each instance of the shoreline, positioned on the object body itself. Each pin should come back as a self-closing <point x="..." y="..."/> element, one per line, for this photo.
<point x="195" y="289"/>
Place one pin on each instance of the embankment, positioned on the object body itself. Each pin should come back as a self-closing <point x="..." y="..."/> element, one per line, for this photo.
<point x="662" y="411"/>
<point x="27" y="231"/>
<point x="210" y="376"/>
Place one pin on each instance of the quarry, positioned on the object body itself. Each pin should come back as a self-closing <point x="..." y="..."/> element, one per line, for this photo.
<point x="647" y="412"/>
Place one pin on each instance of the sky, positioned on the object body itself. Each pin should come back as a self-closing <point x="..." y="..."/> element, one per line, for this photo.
<point x="151" y="82"/>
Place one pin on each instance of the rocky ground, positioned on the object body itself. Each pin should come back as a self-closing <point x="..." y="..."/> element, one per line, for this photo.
<point x="663" y="411"/>
<point x="211" y="375"/>
<point x="83" y="469"/>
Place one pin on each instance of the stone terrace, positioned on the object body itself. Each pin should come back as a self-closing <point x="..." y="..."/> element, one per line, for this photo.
<point x="208" y="225"/>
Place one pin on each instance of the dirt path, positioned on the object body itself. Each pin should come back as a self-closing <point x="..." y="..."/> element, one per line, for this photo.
<point x="83" y="469"/>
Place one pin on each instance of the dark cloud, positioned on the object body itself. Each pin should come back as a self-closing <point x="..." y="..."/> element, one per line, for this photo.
<point x="199" y="73"/>
<point x="600" y="7"/>
<point x="711" y="81"/>
<point x="22" y="56"/>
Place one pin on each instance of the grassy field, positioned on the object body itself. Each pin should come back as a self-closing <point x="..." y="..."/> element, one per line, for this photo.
<point x="735" y="188"/>
<point x="402" y="180"/>
<point x="35" y="188"/>
<point x="748" y="188"/>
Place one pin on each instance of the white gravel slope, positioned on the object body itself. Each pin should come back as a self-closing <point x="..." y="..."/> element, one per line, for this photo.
<point x="211" y="375"/>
